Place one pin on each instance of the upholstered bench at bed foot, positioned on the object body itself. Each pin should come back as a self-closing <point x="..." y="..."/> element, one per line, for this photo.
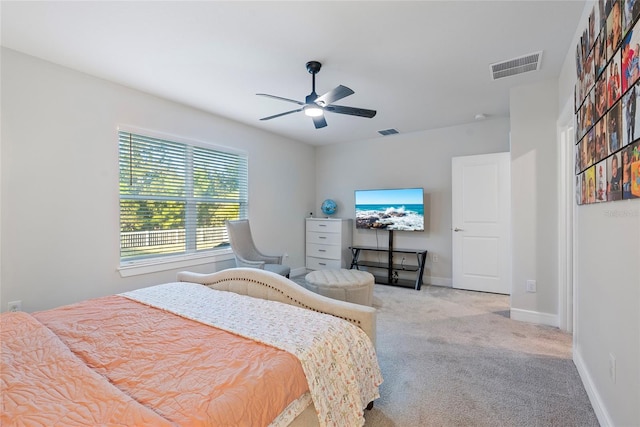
<point x="342" y="284"/>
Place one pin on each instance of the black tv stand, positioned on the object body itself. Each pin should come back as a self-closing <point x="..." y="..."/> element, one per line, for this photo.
<point x="392" y="268"/>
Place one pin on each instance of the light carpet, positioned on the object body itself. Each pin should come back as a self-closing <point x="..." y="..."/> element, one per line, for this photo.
<point x="455" y="358"/>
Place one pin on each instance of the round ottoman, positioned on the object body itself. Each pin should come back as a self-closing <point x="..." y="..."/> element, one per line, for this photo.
<point x="346" y="285"/>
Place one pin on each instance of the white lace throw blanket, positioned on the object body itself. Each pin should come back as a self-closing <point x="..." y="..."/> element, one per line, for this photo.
<point x="337" y="357"/>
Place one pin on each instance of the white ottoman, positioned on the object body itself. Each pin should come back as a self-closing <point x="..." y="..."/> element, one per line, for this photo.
<point x="346" y="285"/>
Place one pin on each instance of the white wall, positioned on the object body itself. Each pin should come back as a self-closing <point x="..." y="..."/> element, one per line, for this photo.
<point x="421" y="159"/>
<point x="608" y="306"/>
<point x="534" y="205"/>
<point x="607" y="291"/>
<point x="59" y="198"/>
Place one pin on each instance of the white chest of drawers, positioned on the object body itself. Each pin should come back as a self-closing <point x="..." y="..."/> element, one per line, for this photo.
<point x="328" y="241"/>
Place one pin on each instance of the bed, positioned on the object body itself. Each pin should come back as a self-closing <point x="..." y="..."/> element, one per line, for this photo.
<point x="248" y="348"/>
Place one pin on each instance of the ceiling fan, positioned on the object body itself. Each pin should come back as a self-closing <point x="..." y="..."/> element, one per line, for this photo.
<point x="315" y="106"/>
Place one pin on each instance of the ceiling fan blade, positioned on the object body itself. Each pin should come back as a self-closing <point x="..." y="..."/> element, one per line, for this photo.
<point x="334" y="95"/>
<point x="352" y="111"/>
<point x="281" y="114"/>
<point x="280" y="98"/>
<point x="319" y="122"/>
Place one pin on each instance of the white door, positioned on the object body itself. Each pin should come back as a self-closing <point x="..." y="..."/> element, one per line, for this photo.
<point x="480" y="223"/>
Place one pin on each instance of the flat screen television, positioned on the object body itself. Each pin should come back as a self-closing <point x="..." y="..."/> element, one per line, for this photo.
<point x="400" y="209"/>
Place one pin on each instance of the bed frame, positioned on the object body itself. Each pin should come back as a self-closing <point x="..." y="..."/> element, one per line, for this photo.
<point x="271" y="286"/>
<point x="264" y="284"/>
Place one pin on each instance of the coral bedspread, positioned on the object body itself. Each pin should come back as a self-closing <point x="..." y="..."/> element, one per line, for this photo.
<point x="117" y="361"/>
<point x="44" y="384"/>
<point x="190" y="373"/>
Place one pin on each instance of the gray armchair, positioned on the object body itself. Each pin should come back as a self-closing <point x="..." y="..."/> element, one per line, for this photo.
<point x="246" y="253"/>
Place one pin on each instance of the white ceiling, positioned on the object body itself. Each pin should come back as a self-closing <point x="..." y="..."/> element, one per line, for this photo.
<point x="420" y="64"/>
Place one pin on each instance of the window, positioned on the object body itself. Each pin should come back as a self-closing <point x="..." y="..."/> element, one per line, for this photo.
<point x="175" y="197"/>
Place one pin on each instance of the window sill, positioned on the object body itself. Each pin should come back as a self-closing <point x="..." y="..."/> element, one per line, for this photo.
<point x="136" y="268"/>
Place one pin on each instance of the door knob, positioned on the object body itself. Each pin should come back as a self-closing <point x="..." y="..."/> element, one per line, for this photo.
<point x="457" y="229"/>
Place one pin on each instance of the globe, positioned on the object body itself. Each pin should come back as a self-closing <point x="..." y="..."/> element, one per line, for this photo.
<point x="329" y="207"/>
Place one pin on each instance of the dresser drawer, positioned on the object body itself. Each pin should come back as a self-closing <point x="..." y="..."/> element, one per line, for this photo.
<point x="324" y="238"/>
<point x="324" y="251"/>
<point x="314" y="263"/>
<point x="327" y="243"/>
<point x="327" y="226"/>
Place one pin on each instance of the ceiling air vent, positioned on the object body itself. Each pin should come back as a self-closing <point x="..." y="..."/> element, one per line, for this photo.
<point x="522" y="64"/>
<point x="386" y="132"/>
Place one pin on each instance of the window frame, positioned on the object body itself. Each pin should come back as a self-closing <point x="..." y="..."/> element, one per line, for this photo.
<point x="146" y="265"/>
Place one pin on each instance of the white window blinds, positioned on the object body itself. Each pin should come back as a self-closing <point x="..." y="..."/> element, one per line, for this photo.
<point x="174" y="197"/>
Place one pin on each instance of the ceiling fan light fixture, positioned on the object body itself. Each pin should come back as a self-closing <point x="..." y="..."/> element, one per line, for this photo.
<point x="312" y="111"/>
<point x="314" y="106"/>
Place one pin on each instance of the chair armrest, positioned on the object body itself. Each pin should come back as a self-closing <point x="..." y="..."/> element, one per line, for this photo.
<point x="271" y="259"/>
<point x="241" y="262"/>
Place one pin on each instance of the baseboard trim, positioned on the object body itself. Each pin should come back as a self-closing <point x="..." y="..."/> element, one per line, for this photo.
<point x="535" y="317"/>
<point x="592" y="392"/>
<point x="438" y="281"/>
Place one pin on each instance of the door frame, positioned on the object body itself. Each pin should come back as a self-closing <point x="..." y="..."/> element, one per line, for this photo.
<point x="566" y="221"/>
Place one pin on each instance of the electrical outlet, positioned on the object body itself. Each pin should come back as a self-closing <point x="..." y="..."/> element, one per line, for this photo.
<point x="14" y="305"/>
<point x="285" y="255"/>
<point x="612" y="367"/>
<point x="434" y="258"/>
<point x="531" y="286"/>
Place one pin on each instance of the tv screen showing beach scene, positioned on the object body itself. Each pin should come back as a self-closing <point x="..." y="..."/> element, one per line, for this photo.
<point x="400" y="209"/>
